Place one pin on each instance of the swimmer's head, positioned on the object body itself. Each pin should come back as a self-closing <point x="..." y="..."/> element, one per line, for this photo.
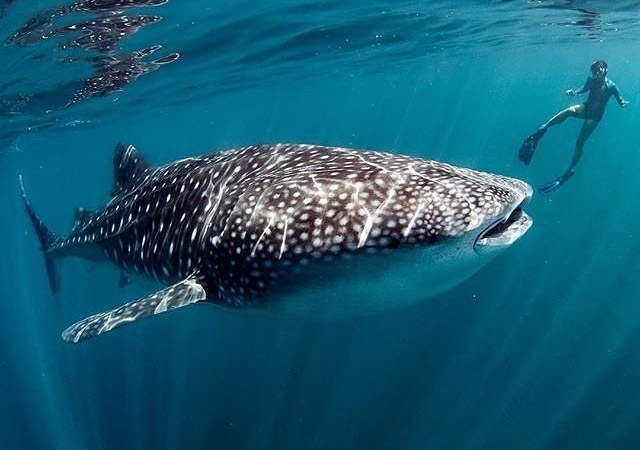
<point x="599" y="68"/>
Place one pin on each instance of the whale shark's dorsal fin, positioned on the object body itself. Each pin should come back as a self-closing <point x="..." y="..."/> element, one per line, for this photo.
<point x="80" y="217"/>
<point x="181" y="294"/>
<point x="128" y="166"/>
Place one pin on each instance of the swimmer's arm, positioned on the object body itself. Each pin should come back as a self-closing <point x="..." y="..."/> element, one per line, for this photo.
<point x="582" y="90"/>
<point x="616" y="93"/>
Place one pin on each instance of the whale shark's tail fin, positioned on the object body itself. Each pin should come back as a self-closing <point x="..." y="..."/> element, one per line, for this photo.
<point x="47" y="238"/>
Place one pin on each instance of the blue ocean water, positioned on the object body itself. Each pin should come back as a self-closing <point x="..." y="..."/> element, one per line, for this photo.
<point x="535" y="351"/>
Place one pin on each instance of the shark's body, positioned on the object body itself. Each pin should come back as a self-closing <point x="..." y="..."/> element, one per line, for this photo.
<point x="292" y="228"/>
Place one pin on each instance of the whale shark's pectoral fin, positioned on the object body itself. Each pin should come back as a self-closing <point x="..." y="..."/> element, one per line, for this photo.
<point x="181" y="294"/>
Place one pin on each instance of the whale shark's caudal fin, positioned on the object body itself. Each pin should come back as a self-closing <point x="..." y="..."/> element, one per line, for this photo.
<point x="181" y="294"/>
<point x="47" y="239"/>
<point x="128" y="167"/>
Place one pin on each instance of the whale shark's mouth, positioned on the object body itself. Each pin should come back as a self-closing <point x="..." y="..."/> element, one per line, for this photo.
<point x="504" y="231"/>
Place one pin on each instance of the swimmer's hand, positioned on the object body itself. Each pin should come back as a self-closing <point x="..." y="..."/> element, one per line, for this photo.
<point x="624" y="103"/>
<point x="570" y="92"/>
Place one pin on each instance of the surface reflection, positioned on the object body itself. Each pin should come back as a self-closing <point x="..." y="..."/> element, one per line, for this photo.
<point x="102" y="34"/>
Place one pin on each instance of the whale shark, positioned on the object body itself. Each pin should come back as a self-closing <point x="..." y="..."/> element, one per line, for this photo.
<point x="294" y="229"/>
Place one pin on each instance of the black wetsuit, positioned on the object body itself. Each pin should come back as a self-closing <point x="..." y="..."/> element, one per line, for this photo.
<point x="599" y="94"/>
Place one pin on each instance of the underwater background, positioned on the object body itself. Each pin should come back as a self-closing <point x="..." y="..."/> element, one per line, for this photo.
<point x="538" y="350"/>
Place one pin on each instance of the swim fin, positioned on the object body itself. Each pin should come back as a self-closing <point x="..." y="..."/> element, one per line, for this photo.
<point x="528" y="147"/>
<point x="555" y="184"/>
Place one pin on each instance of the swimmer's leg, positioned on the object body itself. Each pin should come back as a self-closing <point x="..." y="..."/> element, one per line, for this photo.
<point x="577" y="111"/>
<point x="587" y="129"/>
<point x="528" y="147"/>
<point x="585" y="132"/>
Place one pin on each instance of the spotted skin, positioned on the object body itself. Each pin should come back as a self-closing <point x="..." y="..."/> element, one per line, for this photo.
<point x="243" y="220"/>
